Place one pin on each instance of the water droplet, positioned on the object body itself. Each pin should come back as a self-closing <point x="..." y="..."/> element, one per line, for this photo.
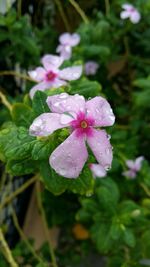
<point x="63" y="95"/>
<point x="107" y="167"/>
<point x="108" y="136"/>
<point x="53" y="157"/>
<point x="111" y="117"/>
<point x="108" y="150"/>
<point x="62" y="172"/>
<point x="56" y="104"/>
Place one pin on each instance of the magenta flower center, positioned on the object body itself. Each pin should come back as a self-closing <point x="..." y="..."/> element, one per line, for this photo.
<point x="50" y="76"/>
<point x="83" y="124"/>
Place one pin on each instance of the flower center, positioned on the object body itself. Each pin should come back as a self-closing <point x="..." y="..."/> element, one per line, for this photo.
<point x="50" y="76"/>
<point x="84" y="124"/>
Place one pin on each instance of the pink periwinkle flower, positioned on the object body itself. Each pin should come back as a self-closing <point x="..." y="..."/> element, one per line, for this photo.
<point x="97" y="170"/>
<point x="50" y="75"/>
<point x="67" y="41"/>
<point x="82" y="117"/>
<point x="134" y="167"/>
<point x="91" y="68"/>
<point x="130" y="12"/>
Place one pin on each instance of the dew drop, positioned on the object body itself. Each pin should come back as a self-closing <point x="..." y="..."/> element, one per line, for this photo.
<point x="62" y="172"/>
<point x="56" y="104"/>
<point x="63" y="95"/>
<point x="108" y="150"/>
<point x="107" y="167"/>
<point x="108" y="136"/>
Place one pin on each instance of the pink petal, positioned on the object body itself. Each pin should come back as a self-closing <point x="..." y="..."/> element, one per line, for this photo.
<point x="69" y="39"/>
<point x="101" y="148"/>
<point x="46" y="124"/>
<point x="65" y="51"/>
<point x="135" y="17"/>
<point x="38" y="74"/>
<point x="58" y="83"/>
<point x="66" y="103"/>
<point x="71" y="73"/>
<point x="130" y="164"/>
<point x="130" y="173"/>
<point x="39" y="87"/>
<point x="98" y="170"/>
<point x="99" y="109"/>
<point x="124" y="14"/>
<point x="51" y="62"/>
<point x="138" y="163"/>
<point x="127" y="6"/>
<point x="69" y="158"/>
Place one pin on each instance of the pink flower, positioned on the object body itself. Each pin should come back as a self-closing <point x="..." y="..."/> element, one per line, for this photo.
<point x="130" y="12"/>
<point x="83" y="117"/>
<point x="67" y="41"/>
<point x="97" y="170"/>
<point x="134" y="166"/>
<point x="91" y="67"/>
<point x="50" y="75"/>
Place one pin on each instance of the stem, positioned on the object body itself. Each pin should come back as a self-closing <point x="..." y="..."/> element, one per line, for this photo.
<point x="14" y="73"/>
<point x="79" y="11"/>
<point x="19" y="5"/>
<point x="147" y="191"/>
<point x="6" y="251"/>
<point x="107" y="7"/>
<point x="18" y="191"/>
<point x="46" y="231"/>
<point x="62" y="13"/>
<point x="5" y="101"/>
<point x="22" y="235"/>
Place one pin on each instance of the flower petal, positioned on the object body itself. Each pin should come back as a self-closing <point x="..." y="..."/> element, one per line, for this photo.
<point x="58" y="83"/>
<point x="101" y="148"/>
<point x="124" y="14"/>
<point x="127" y="6"/>
<point x="71" y="73"/>
<point x="138" y="163"/>
<point x="39" y="87"/>
<point x="65" y="51"/>
<point x="135" y="17"/>
<point x="69" y="158"/>
<point x="97" y="170"/>
<point x="51" y="62"/>
<point x="38" y="74"/>
<point x="69" y="39"/>
<point x="46" y="124"/>
<point x="130" y="173"/>
<point x="100" y="110"/>
<point x="130" y="164"/>
<point x="66" y="103"/>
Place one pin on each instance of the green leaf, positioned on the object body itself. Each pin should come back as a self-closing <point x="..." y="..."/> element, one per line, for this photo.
<point x="21" y="167"/>
<point x="15" y="143"/>
<point x="129" y="237"/>
<point x="39" y="103"/>
<point x="22" y="114"/>
<point x="101" y="237"/>
<point x="42" y="148"/>
<point x="85" y="87"/>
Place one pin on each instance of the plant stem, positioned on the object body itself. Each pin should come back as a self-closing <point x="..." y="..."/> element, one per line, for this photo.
<point x="14" y="73"/>
<point x="18" y="191"/>
<point x="147" y="191"/>
<point x="79" y="10"/>
<point x="47" y="234"/>
<point x="22" y="235"/>
<point x="107" y="7"/>
<point x="62" y="13"/>
<point x="19" y="5"/>
<point x="6" y="251"/>
<point x="5" y="101"/>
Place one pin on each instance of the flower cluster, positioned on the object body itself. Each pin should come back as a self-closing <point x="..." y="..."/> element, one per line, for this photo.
<point x="134" y="167"/>
<point x="130" y="12"/>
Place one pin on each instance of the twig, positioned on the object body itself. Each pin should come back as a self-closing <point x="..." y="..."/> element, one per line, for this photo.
<point x="38" y="191"/>
<point x="18" y="191"/>
<point x="19" y="5"/>
<point x="5" y="101"/>
<point x="14" y="73"/>
<point x="6" y="251"/>
<point x="62" y="13"/>
<point x="22" y="235"/>
<point x="79" y="10"/>
<point x="107" y="7"/>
